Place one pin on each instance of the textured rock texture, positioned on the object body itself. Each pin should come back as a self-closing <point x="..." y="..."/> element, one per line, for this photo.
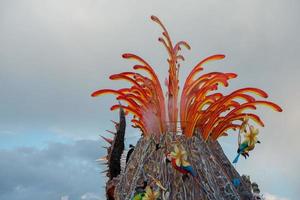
<point x="215" y="172"/>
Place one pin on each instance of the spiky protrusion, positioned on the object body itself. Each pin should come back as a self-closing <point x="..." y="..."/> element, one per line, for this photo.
<point x="116" y="148"/>
<point x="114" y="154"/>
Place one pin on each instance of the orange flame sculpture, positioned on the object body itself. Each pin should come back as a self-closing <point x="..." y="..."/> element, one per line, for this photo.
<point x="202" y="109"/>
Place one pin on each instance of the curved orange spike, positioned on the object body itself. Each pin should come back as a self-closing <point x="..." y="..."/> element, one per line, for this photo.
<point x="241" y="91"/>
<point x="124" y="77"/>
<point x="208" y="86"/>
<point x="181" y="43"/>
<point x="224" y="129"/>
<point x="199" y="65"/>
<point x="231" y="75"/>
<point x="165" y="33"/>
<point x="245" y="97"/>
<point x="214" y="117"/>
<point x="200" y="106"/>
<point x="204" y="78"/>
<point x="139" y="123"/>
<point x="169" y="50"/>
<point x="126" y="108"/>
<point x="136" y="99"/>
<point x="134" y="57"/>
<point x="105" y="91"/>
<point x="241" y="108"/>
<point x="129" y="101"/>
<point x="235" y="112"/>
<point x="256" y="91"/>
<point x="147" y="69"/>
<point x="139" y="91"/>
<point x="269" y="104"/>
<point x="125" y="90"/>
<point x="131" y="80"/>
<point x="240" y="117"/>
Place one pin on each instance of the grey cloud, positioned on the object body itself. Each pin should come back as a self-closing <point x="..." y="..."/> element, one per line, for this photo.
<point x="60" y="169"/>
<point x="54" y="53"/>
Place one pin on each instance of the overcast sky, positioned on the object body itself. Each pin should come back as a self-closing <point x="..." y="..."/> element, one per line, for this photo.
<point x="54" y="53"/>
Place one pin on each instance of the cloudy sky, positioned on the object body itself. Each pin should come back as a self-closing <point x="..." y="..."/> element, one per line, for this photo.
<point x="54" y="53"/>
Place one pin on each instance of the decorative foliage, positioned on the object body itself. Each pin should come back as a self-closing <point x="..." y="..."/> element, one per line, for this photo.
<point x="179" y="154"/>
<point x="214" y="113"/>
<point x="150" y="194"/>
<point x="202" y="109"/>
<point x="145" y="100"/>
<point x="249" y="139"/>
<point x="178" y="159"/>
<point x="251" y="136"/>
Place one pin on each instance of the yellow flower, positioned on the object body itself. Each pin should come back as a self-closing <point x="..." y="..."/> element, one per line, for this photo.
<point x="185" y="163"/>
<point x="179" y="154"/>
<point x="251" y="136"/>
<point x="150" y="194"/>
<point x="244" y="124"/>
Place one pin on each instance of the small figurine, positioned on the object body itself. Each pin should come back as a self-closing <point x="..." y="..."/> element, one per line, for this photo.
<point x="178" y="159"/>
<point x="248" y="144"/>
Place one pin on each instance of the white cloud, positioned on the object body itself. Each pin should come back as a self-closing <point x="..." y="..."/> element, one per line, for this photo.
<point x="90" y="196"/>
<point x="64" y="198"/>
<point x="269" y="196"/>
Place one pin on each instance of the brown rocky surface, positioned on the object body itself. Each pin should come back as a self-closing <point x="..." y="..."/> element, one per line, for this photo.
<point x="214" y="171"/>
